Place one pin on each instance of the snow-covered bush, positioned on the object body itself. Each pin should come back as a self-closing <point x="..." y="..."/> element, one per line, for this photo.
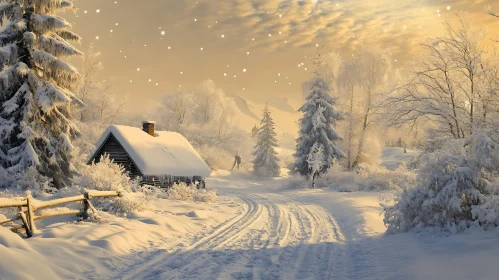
<point x="296" y="182"/>
<point x="428" y="146"/>
<point x="126" y="203"/>
<point x="375" y="177"/>
<point x="30" y="179"/>
<point x="456" y="188"/>
<point x="365" y="178"/>
<point x="204" y="195"/>
<point x="107" y="176"/>
<point x="182" y="191"/>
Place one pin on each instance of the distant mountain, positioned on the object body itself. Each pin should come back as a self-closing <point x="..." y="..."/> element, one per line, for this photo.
<point x="285" y="116"/>
<point x="281" y="103"/>
<point x="243" y="106"/>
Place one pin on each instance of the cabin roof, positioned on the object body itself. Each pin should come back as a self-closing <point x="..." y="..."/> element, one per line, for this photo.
<point x="167" y="153"/>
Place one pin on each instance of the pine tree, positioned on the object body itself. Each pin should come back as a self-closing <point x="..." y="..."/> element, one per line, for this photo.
<point x="36" y="90"/>
<point x="316" y="128"/>
<point x="266" y="162"/>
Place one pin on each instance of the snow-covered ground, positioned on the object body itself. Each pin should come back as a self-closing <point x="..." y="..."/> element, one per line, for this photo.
<point x="95" y="251"/>
<point x="257" y="230"/>
<point x="317" y="234"/>
<point x="393" y="157"/>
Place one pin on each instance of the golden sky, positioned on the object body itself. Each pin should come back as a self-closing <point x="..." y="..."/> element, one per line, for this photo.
<point x="255" y="48"/>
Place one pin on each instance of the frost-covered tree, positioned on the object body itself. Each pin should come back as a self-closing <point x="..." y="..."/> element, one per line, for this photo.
<point x="494" y="14"/>
<point x="373" y="68"/>
<point x="266" y="162"/>
<point x="102" y="107"/>
<point x="176" y="109"/>
<point x="316" y="126"/>
<point x="316" y="161"/>
<point x="207" y="117"/>
<point x="361" y="83"/>
<point x="348" y="87"/>
<point x="36" y="90"/>
<point x="451" y="88"/>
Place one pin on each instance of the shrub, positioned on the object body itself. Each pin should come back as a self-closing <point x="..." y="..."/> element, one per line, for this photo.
<point x="107" y="176"/>
<point x="182" y="191"/>
<point x="456" y="189"/>
<point x="364" y="178"/>
<point x="378" y="178"/>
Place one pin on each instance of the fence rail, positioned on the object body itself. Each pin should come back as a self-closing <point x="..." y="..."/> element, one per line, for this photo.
<point x="27" y="207"/>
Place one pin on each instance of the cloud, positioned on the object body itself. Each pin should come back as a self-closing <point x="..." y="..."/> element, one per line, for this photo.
<point x="341" y="25"/>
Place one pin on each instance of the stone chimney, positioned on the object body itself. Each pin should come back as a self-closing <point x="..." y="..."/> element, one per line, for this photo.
<point x="148" y="127"/>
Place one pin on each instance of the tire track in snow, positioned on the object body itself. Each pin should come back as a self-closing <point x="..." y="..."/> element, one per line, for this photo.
<point x="277" y="237"/>
<point x="305" y="253"/>
<point x="243" y="255"/>
<point x="198" y="259"/>
<point x="157" y="264"/>
<point x="233" y="252"/>
<point x="323" y="255"/>
<point x="270" y="262"/>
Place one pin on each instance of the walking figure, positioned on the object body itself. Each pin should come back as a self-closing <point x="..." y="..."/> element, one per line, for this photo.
<point x="237" y="160"/>
<point x="254" y="131"/>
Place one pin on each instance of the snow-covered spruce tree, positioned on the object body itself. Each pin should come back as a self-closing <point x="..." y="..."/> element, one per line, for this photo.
<point x="36" y="90"/>
<point x="266" y="162"/>
<point x="316" y="126"/>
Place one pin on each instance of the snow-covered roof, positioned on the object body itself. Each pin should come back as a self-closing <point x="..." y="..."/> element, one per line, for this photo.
<point x="167" y="153"/>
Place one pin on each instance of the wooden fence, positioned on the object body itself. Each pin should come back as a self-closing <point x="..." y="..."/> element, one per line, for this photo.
<point x="28" y="206"/>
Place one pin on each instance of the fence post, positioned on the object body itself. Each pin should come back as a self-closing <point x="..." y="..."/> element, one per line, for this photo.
<point x="25" y="223"/>
<point x="86" y="202"/>
<point x="87" y="205"/>
<point x="31" y="212"/>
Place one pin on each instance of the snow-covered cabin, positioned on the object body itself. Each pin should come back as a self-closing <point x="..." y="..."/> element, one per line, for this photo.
<point x="160" y="158"/>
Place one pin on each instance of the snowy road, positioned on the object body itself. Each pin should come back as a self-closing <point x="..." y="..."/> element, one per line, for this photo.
<point x="284" y="234"/>
<point x="257" y="230"/>
<point x="276" y="237"/>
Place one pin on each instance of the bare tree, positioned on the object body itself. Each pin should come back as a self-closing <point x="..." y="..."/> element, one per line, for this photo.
<point x="207" y="98"/>
<point x="431" y="95"/>
<point x="465" y="47"/>
<point x="102" y="108"/>
<point x="373" y="68"/>
<point x="176" y="108"/>
<point x="448" y="85"/>
<point x="89" y="84"/>
<point x="348" y="85"/>
<point x="492" y="13"/>
<point x="204" y="112"/>
<point x="107" y="108"/>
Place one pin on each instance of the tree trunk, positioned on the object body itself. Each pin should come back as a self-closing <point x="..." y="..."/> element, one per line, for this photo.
<point x="350" y="133"/>
<point x="362" y="138"/>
